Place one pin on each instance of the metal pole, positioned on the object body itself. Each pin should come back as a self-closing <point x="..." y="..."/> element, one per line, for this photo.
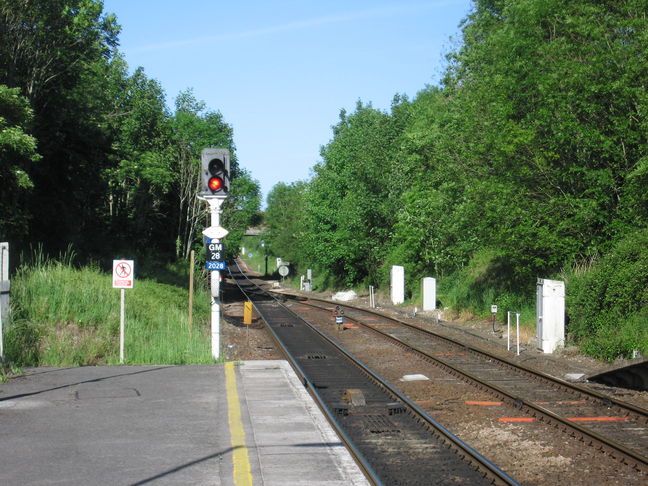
<point x="215" y="209"/>
<point x="1" y="337"/>
<point x="517" y="317"/>
<point x="122" y="318"/>
<point x="215" y="314"/>
<point x="508" y="330"/>
<point x="4" y="292"/>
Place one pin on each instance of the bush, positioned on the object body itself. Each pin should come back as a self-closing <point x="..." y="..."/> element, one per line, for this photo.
<point x="608" y="304"/>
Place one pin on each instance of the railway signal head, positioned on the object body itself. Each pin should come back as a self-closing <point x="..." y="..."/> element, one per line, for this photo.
<point x="215" y="168"/>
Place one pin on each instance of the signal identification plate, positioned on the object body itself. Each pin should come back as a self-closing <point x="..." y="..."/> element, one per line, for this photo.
<point x="215" y="266"/>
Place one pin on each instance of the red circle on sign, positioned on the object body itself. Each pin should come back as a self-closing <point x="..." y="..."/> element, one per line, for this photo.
<point x="122" y="270"/>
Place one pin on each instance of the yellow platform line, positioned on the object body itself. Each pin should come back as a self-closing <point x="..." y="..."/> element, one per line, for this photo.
<point x="240" y="458"/>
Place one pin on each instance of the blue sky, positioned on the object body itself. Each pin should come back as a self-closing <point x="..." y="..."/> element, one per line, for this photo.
<point x="280" y="71"/>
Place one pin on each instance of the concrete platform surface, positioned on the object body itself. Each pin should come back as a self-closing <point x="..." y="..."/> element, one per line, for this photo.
<point x="246" y="424"/>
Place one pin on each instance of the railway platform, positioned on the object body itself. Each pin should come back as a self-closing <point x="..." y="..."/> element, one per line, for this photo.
<point x="239" y="424"/>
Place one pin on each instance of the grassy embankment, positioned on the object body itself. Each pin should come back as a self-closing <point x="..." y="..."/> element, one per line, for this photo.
<point x="68" y="316"/>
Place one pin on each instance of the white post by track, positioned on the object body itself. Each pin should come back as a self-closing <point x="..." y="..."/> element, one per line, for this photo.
<point x="508" y="331"/>
<point x="397" y="284"/>
<point x="517" y="326"/>
<point x="428" y="285"/>
<point x="517" y="330"/>
<point x="550" y="314"/>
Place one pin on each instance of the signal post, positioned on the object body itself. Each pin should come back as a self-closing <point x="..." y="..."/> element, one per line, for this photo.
<point x="215" y="167"/>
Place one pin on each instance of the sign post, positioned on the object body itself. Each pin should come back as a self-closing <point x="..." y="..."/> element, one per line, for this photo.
<point x="5" y="285"/>
<point x="494" y="312"/>
<point x="123" y="278"/>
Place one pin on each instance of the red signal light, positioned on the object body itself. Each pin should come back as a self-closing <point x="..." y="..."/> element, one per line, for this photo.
<point x="215" y="184"/>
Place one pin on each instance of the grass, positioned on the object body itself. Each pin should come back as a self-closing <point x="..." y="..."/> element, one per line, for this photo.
<point x="68" y="316"/>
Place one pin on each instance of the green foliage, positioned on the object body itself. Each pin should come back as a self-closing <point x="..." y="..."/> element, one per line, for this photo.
<point x="240" y="210"/>
<point x="608" y="304"/>
<point x="17" y="151"/>
<point x="528" y="149"/>
<point x="530" y="157"/>
<point x="487" y="279"/>
<point x="56" y="53"/>
<point x="285" y="214"/>
<point x="119" y="172"/>
<point x="22" y="344"/>
<point x="350" y="203"/>
<point x="194" y="128"/>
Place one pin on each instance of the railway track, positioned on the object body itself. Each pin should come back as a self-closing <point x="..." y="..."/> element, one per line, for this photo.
<point x="617" y="428"/>
<point x="395" y="441"/>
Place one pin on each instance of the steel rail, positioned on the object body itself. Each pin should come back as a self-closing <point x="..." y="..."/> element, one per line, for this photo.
<point x="448" y="437"/>
<point x="631" y="457"/>
<point x="575" y="388"/>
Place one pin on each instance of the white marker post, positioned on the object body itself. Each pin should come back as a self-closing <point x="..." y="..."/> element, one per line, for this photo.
<point x="397" y="284"/>
<point x="429" y="293"/>
<point x="517" y="327"/>
<point x="123" y="278"/>
<point x="550" y="314"/>
<point x="508" y="331"/>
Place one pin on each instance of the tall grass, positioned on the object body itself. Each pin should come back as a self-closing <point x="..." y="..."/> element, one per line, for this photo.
<point x="66" y="316"/>
<point x="482" y="283"/>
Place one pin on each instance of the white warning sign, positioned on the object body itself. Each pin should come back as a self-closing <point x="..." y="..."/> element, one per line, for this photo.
<point x="123" y="274"/>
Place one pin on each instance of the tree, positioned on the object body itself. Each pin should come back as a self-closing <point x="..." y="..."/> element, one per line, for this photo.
<point x="532" y="151"/>
<point x="141" y="175"/>
<point x="195" y="129"/>
<point x="556" y="92"/>
<point x="285" y="215"/>
<point x="55" y="52"/>
<point x="17" y="152"/>
<point x="48" y="44"/>
<point x="350" y="203"/>
<point x="240" y="208"/>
